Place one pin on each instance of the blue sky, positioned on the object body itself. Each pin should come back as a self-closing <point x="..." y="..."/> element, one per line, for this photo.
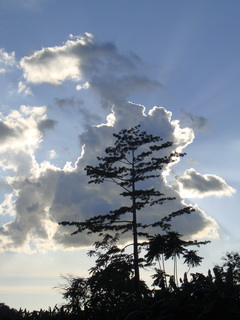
<point x="63" y="65"/>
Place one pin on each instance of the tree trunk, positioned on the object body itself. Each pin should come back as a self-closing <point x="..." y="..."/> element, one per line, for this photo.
<point x="135" y="237"/>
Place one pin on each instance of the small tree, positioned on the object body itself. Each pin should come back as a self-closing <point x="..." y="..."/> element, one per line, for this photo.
<point x="134" y="158"/>
<point x="162" y="247"/>
<point x="231" y="262"/>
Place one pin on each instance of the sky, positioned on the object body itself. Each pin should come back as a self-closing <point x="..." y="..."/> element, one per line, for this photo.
<point x="72" y="73"/>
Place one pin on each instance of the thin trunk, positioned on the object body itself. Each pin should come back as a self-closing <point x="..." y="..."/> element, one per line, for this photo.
<point x="163" y="263"/>
<point x="175" y="270"/>
<point x="135" y="255"/>
<point x="189" y="270"/>
<point x="135" y="236"/>
<point x="164" y="270"/>
<point x="159" y="262"/>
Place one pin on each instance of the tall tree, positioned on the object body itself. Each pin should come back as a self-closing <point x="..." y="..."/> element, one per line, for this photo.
<point x="134" y="158"/>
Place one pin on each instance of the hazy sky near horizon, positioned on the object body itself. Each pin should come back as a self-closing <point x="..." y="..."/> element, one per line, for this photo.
<point x="74" y="72"/>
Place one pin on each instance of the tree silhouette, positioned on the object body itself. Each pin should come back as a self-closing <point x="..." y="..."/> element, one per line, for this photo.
<point x="134" y="158"/>
<point x="231" y="261"/>
<point x="162" y="247"/>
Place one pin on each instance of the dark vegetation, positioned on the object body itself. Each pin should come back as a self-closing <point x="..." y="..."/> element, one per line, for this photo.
<point x="114" y="289"/>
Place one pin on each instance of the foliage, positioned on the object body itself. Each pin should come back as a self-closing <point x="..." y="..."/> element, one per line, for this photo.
<point x="134" y="158"/>
<point x="162" y="247"/>
<point x="210" y="297"/>
<point x="7" y="313"/>
<point x="110" y="287"/>
<point x="231" y="260"/>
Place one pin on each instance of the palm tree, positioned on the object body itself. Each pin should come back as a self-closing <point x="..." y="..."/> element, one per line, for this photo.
<point x="174" y="248"/>
<point x="156" y="250"/>
<point x="166" y="246"/>
<point x="192" y="259"/>
<point x="170" y="245"/>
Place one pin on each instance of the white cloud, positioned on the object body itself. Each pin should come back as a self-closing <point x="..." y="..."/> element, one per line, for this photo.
<point x="44" y="194"/>
<point x="7" y="207"/>
<point x="99" y="66"/>
<point x="57" y="64"/>
<point x="50" y="65"/>
<point x="52" y="154"/>
<point x="22" y="88"/>
<point x="20" y="137"/>
<point x="6" y="60"/>
<point x="85" y="86"/>
<point x="49" y="195"/>
<point x="195" y="185"/>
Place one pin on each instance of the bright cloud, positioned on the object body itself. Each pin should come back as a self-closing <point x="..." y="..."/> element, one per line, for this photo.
<point x="195" y="185"/>
<point x="20" y="137"/>
<point x="41" y="194"/>
<point x="51" y="65"/>
<point x="7" y="207"/>
<point x="6" y="60"/>
<point x="85" y="86"/>
<point x="99" y="66"/>
<point x="22" y="88"/>
<point x="52" y="154"/>
<point x="50" y="195"/>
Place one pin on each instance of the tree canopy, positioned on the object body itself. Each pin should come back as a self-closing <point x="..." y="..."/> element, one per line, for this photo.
<point x="135" y="157"/>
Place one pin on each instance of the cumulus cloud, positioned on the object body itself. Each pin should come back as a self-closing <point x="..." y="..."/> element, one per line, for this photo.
<point x="7" y="60"/>
<point x="7" y="207"/>
<point x="50" y="194"/>
<point x="50" y="65"/>
<point x="20" y="137"/>
<point x="23" y="88"/>
<point x="98" y="65"/>
<point x="195" y="185"/>
<point x="41" y="194"/>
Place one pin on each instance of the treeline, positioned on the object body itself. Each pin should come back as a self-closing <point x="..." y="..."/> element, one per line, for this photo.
<point x="198" y="297"/>
<point x="7" y="313"/>
<point x="110" y="295"/>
